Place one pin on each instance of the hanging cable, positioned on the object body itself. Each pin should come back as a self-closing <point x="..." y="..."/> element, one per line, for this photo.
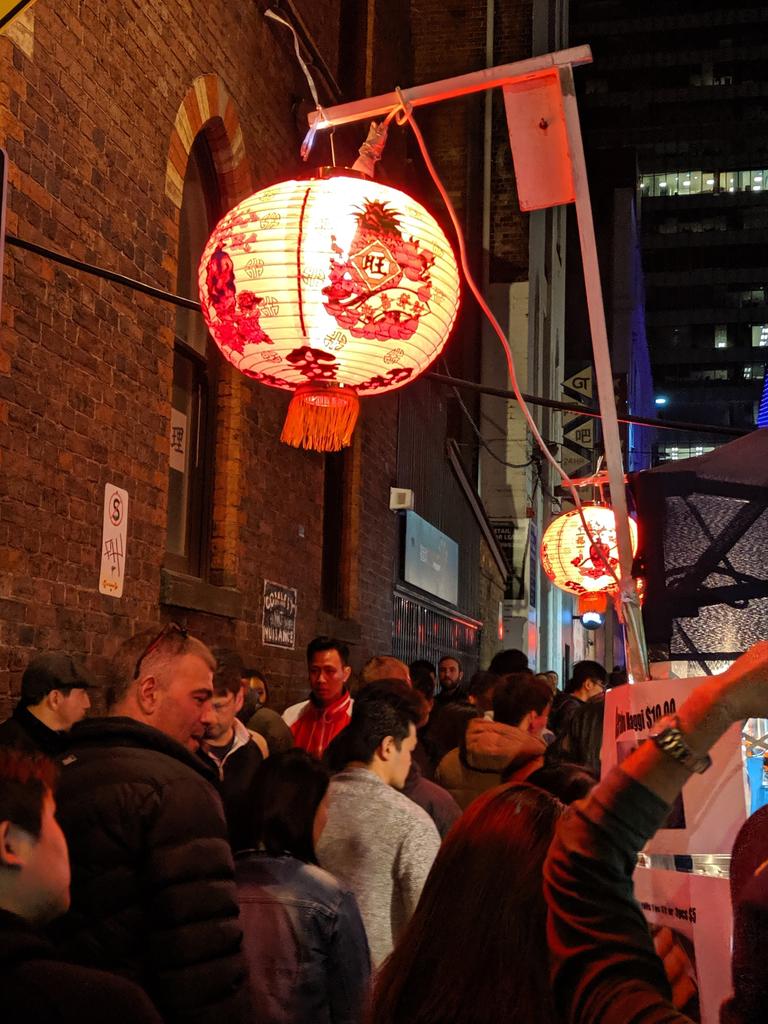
<point x="309" y="138"/>
<point x="404" y="115"/>
<point x="476" y="429"/>
<point x="477" y="293"/>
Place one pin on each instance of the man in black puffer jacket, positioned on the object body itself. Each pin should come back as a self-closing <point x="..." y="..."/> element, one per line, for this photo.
<point x="152" y="875"/>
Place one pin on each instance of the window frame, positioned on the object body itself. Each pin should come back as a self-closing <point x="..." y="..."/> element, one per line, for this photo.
<point x="195" y="559"/>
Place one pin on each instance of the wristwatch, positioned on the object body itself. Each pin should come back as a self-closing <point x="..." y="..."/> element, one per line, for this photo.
<point x="668" y="737"/>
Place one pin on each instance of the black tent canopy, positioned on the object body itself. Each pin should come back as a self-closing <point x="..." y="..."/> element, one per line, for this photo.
<point x="703" y="551"/>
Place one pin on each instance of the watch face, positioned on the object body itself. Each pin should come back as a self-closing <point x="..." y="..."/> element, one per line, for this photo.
<point x="672" y="742"/>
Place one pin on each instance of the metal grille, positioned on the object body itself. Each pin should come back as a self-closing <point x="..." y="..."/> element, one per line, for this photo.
<point x="705" y="522"/>
<point x="419" y="631"/>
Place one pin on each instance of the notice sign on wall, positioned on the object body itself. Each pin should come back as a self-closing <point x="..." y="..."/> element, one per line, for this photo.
<point x="278" y="624"/>
<point x="114" y="537"/>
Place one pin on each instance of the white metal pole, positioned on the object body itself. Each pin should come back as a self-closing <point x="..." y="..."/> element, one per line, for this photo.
<point x="637" y="656"/>
<point x="490" y="78"/>
<point x="447" y="88"/>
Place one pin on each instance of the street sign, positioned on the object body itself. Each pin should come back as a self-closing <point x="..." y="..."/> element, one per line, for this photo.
<point x="581" y="432"/>
<point x="580" y="386"/>
<point x="114" y="541"/>
<point x="574" y="463"/>
<point x="504" y="531"/>
<point x="10" y="9"/>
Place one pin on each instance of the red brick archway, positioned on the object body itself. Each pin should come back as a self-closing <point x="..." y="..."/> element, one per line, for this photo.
<point x="208" y="107"/>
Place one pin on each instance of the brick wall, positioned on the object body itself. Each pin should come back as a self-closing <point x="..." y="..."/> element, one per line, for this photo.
<point x="87" y="110"/>
<point x="99" y="100"/>
<point x="509" y="227"/>
<point x="450" y="39"/>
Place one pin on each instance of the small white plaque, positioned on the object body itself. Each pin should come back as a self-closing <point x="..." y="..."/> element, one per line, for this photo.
<point x="114" y="541"/>
<point x="178" y="450"/>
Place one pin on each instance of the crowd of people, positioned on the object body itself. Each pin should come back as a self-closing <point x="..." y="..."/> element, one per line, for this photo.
<point x="396" y="848"/>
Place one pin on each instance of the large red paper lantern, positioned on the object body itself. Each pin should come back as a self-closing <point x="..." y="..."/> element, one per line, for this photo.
<point x="572" y="561"/>
<point x="331" y="287"/>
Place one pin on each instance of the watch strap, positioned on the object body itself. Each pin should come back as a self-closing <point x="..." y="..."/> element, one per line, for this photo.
<point x="668" y="737"/>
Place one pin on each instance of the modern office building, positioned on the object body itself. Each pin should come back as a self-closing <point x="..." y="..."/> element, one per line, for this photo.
<point x="683" y="87"/>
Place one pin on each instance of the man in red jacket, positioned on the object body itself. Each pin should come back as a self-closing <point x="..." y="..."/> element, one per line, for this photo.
<point x="315" y="722"/>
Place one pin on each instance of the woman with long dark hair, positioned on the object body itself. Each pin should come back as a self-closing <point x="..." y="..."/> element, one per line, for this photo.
<point x="302" y="933"/>
<point x="475" y="950"/>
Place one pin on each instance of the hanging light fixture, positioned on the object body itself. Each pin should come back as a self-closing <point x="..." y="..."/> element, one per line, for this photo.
<point x="333" y="287"/>
<point x="592" y="609"/>
<point x="577" y="564"/>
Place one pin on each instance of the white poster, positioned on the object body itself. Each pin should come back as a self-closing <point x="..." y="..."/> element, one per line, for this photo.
<point x="113" y="541"/>
<point x="713" y="805"/>
<point x="690" y="921"/>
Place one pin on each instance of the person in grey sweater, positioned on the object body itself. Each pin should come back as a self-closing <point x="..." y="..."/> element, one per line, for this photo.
<point x="377" y="842"/>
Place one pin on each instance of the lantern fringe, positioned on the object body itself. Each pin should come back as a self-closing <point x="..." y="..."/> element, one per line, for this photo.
<point x="321" y="419"/>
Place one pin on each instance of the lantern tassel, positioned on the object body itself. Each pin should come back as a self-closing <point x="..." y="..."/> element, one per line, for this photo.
<point x="321" y="419"/>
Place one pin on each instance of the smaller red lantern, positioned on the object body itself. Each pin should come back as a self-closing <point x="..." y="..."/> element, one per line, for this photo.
<point x="580" y="565"/>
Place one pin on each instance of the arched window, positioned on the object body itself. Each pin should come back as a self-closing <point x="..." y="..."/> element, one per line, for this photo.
<point x="195" y="364"/>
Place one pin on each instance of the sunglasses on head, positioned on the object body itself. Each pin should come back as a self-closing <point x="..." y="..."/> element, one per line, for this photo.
<point x="167" y="630"/>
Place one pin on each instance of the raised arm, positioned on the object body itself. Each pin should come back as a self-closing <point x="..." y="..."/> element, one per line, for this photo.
<point x="604" y="967"/>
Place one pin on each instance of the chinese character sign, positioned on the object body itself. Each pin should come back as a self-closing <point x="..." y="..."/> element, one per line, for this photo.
<point x="113" y="541"/>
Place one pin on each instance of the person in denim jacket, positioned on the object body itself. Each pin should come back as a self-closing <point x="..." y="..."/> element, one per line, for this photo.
<point x="303" y="936"/>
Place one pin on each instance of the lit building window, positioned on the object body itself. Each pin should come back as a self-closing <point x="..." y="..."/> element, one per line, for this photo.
<point x="693" y="182"/>
<point x="759" y="335"/>
<point x="673" y="453"/>
<point x="721" y="336"/>
<point x="754" y="371"/>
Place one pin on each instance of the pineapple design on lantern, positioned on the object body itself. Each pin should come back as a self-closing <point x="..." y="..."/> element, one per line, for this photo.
<point x="382" y="286"/>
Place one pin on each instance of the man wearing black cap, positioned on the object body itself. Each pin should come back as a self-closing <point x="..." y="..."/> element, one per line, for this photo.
<point x="54" y="696"/>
